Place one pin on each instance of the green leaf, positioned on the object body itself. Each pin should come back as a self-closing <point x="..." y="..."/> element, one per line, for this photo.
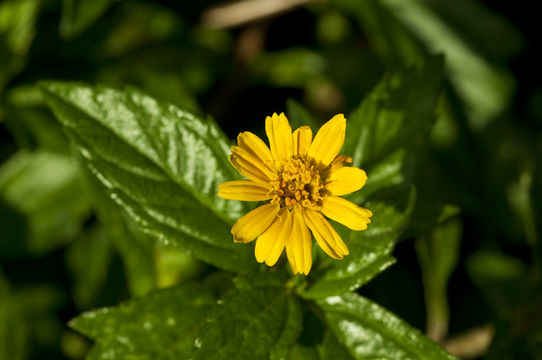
<point x="161" y="325"/>
<point x="250" y="324"/>
<point x="17" y="30"/>
<point x="77" y="15"/>
<point x="161" y="164"/>
<point x="370" y="249"/>
<point x="437" y="252"/>
<point x="402" y="32"/>
<point x="396" y="116"/>
<point x="328" y="349"/>
<point x="370" y="332"/>
<point x="89" y="258"/>
<point x="134" y="247"/>
<point x="45" y="188"/>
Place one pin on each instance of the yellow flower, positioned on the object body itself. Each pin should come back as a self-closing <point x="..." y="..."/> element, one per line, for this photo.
<point x="304" y="178"/>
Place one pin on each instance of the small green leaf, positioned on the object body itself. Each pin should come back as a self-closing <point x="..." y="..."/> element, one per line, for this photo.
<point x="161" y="164"/>
<point x="250" y="324"/>
<point x="17" y="30"/>
<point x="161" y="325"/>
<point x="370" y="249"/>
<point x="437" y="252"/>
<point x="89" y="258"/>
<point x="45" y="188"/>
<point x="77" y="15"/>
<point x="371" y="332"/>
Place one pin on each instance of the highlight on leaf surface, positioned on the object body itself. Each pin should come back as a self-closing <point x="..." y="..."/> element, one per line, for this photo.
<point x="303" y="177"/>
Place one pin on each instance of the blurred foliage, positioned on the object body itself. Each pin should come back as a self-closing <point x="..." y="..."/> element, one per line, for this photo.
<point x="100" y="206"/>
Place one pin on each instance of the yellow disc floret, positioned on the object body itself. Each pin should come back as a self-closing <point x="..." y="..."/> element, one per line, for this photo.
<point x="299" y="182"/>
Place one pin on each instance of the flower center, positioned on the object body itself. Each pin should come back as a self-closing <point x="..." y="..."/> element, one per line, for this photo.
<point x="299" y="182"/>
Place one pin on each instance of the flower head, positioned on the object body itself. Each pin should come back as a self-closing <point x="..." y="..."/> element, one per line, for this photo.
<point x="303" y="178"/>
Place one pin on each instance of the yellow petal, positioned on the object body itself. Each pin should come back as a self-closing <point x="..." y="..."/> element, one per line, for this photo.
<point x="339" y="162"/>
<point x="243" y="190"/>
<point x="250" y="166"/>
<point x="270" y="244"/>
<point x="299" y="245"/>
<point x="345" y="180"/>
<point x="302" y="140"/>
<point x="325" y="235"/>
<point x="257" y="147"/>
<point x="346" y="213"/>
<point x="291" y="259"/>
<point x="279" y="133"/>
<point x="329" y="140"/>
<point x="254" y="223"/>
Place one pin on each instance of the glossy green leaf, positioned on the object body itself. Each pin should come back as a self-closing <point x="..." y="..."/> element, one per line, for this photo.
<point x="77" y="15"/>
<point x="134" y="247"/>
<point x="161" y="164"/>
<point x="371" y="332"/>
<point x="254" y="324"/>
<point x="45" y="188"/>
<point x="370" y="250"/>
<point x="17" y="30"/>
<point x="437" y="252"/>
<point x="161" y="325"/>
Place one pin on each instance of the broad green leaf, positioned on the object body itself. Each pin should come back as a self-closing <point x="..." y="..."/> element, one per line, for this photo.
<point x="370" y="250"/>
<point x="163" y="84"/>
<point x="397" y="115"/>
<point x="17" y="30"/>
<point x="299" y="116"/>
<point x="371" y="332"/>
<point x="89" y="258"/>
<point x="328" y="349"/>
<point x="135" y="248"/>
<point x="77" y="15"/>
<point x="437" y="252"/>
<point x="45" y="188"/>
<point x="161" y="325"/>
<point x="254" y="324"/>
<point x="161" y="164"/>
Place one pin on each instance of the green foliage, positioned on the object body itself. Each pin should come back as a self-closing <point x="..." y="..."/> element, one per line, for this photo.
<point x="116" y="121"/>
<point x="369" y="331"/>
<point x="44" y="187"/>
<point x="161" y="325"/>
<point x="257" y="323"/>
<point x="159" y="177"/>
<point x="77" y="15"/>
<point x="17" y="29"/>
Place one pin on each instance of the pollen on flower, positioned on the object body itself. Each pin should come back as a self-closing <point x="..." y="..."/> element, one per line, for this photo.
<point x="299" y="182"/>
